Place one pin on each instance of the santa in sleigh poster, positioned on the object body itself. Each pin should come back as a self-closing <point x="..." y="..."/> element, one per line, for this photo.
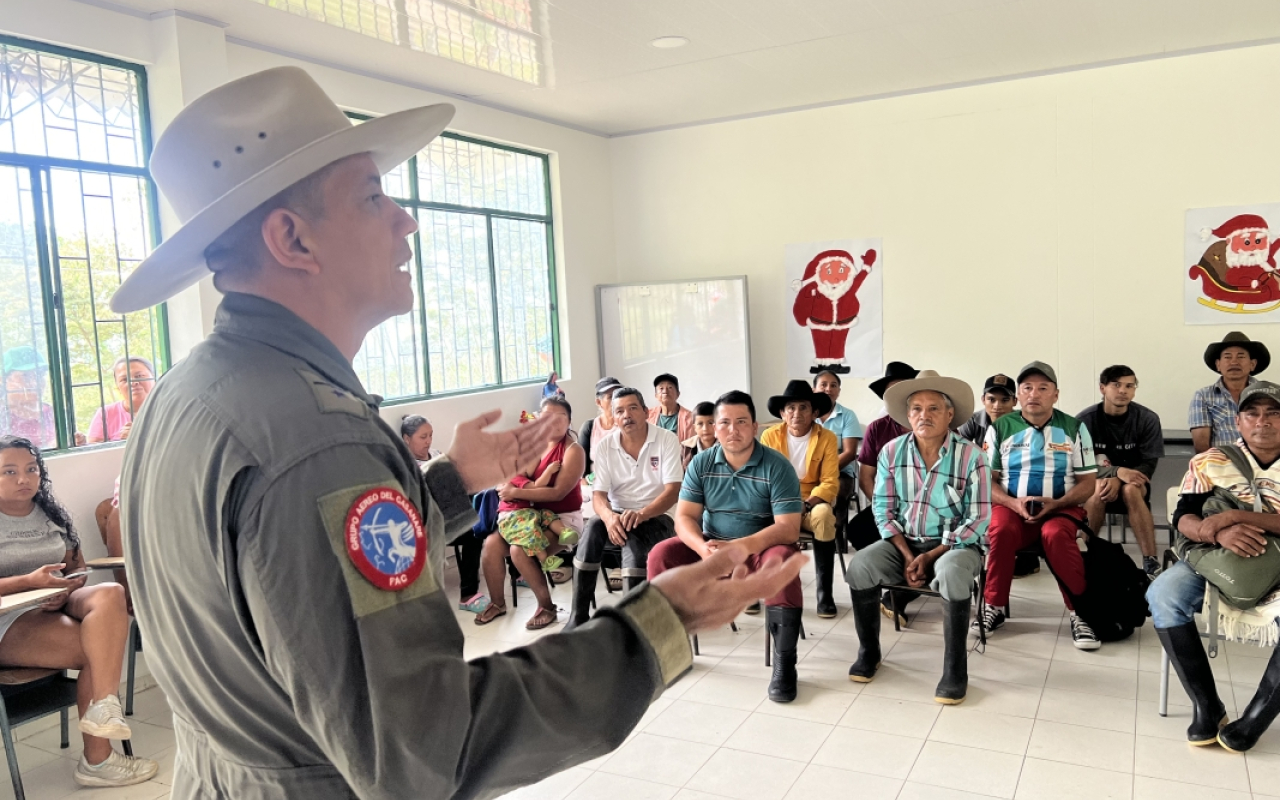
<point x="835" y="308"/>
<point x="1230" y="270"/>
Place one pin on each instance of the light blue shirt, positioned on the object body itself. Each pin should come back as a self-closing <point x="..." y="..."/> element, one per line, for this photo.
<point x="844" y="424"/>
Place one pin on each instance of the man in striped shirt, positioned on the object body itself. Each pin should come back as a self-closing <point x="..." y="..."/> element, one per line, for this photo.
<point x="932" y="505"/>
<point x="1044" y="470"/>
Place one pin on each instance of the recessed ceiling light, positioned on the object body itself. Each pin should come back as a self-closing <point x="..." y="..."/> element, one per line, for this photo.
<point x="669" y="42"/>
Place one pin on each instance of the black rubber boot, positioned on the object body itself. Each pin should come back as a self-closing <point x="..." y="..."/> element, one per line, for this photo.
<point x="1192" y="665"/>
<point x="866" y="621"/>
<point x="1262" y="710"/>
<point x="824" y="560"/>
<point x="584" y="592"/>
<point x="955" y="658"/>
<point x="784" y="626"/>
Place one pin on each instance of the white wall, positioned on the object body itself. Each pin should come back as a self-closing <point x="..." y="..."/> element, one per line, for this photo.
<point x="1034" y="219"/>
<point x="186" y="55"/>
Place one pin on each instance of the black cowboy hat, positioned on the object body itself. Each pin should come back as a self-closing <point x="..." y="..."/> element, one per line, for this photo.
<point x="896" y="371"/>
<point x="1257" y="351"/>
<point x="796" y="391"/>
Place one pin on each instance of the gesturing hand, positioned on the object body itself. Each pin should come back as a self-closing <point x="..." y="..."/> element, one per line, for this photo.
<point x="705" y="599"/>
<point x="484" y="458"/>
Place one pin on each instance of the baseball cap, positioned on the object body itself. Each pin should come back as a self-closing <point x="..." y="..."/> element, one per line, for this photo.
<point x="1038" y="368"/>
<point x="1259" y="390"/>
<point x="23" y="358"/>
<point x="667" y="377"/>
<point x="606" y="385"/>
<point x="999" y="383"/>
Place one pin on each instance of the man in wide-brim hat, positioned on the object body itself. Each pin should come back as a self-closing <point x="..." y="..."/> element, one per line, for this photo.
<point x="815" y="453"/>
<point x="285" y="553"/>
<point x="932" y="504"/>
<point x="1212" y="416"/>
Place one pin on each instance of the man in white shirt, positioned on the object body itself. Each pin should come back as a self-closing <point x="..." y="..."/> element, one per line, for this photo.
<point x="637" y="481"/>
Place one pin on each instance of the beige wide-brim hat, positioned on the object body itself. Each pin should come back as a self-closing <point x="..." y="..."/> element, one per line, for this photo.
<point x="239" y="145"/>
<point x="961" y="394"/>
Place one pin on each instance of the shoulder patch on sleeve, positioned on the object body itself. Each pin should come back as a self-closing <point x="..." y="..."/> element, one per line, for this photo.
<point x="333" y="399"/>
<point x="381" y="543"/>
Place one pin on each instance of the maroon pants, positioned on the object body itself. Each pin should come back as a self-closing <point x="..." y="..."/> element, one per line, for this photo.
<point x="829" y="344"/>
<point x="675" y="553"/>
<point x="1010" y="533"/>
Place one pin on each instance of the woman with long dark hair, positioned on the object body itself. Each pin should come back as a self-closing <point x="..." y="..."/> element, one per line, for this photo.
<point x="83" y="627"/>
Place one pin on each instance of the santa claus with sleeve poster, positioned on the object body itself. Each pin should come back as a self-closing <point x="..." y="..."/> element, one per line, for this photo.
<point x="836" y="319"/>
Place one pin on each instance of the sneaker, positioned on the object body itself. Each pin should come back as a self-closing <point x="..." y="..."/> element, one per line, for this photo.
<point x="117" y="770"/>
<point x="1082" y="636"/>
<point x="1151" y="566"/>
<point x="105" y="719"/>
<point x="992" y="618"/>
<point x="475" y="603"/>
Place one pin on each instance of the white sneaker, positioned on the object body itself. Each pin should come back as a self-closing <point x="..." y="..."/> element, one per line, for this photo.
<point x="1082" y="636"/>
<point x="105" y="719"/>
<point x="117" y="770"/>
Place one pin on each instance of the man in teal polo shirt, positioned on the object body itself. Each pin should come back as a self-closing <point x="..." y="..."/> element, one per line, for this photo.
<point x="740" y="493"/>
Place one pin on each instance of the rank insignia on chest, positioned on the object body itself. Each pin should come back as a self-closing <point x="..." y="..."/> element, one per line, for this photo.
<point x="384" y="537"/>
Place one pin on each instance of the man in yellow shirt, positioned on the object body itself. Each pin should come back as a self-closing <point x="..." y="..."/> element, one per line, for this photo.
<point x="815" y="454"/>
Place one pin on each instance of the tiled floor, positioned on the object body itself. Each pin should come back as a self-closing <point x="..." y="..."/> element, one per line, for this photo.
<point x="1043" y="721"/>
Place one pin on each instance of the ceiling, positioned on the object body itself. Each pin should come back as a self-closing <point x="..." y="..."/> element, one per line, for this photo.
<point x="589" y="64"/>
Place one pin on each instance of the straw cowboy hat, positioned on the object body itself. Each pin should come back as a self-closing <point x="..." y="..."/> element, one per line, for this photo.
<point x="242" y="143"/>
<point x="895" y="399"/>
<point x="1257" y="351"/>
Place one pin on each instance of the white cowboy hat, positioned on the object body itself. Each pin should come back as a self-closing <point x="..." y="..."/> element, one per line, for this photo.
<point x="961" y="394"/>
<point x="242" y="143"/>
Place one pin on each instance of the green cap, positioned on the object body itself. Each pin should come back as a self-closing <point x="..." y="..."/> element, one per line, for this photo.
<point x="1038" y="368"/>
<point x="1259" y="390"/>
<point x="23" y="358"/>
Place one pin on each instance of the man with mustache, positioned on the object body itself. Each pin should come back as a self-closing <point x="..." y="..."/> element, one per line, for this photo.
<point x="1212" y="416"/>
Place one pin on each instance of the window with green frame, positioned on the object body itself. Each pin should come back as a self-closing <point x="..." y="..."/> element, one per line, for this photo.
<point x="77" y="212"/>
<point x="484" y="311"/>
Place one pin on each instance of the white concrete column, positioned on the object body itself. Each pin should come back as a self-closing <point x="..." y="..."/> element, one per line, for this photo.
<point x="190" y="59"/>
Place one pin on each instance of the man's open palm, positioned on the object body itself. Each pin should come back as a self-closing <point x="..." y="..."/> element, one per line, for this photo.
<point x="484" y="459"/>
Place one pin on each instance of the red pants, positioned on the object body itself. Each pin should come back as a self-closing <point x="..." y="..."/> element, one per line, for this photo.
<point x="1010" y="533"/>
<point x="673" y="553"/>
<point x="829" y="344"/>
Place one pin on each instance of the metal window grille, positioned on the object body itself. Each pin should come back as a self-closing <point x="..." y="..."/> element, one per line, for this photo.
<point x="77" y="214"/>
<point x="484" y="283"/>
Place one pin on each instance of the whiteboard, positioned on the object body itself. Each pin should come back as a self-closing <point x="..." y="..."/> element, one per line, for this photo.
<point x="694" y="329"/>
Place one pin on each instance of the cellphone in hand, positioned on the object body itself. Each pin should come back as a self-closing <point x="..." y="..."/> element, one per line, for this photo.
<point x="82" y="573"/>
<point x="1035" y="507"/>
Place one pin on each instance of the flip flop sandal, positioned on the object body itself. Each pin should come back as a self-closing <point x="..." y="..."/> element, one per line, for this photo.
<point x="615" y="584"/>
<point x="474" y="604"/>
<point x="492" y="612"/>
<point x="545" y="618"/>
<point x="560" y="576"/>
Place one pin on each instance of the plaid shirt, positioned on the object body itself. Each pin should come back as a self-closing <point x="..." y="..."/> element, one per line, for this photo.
<point x="950" y="501"/>
<point x="1213" y="407"/>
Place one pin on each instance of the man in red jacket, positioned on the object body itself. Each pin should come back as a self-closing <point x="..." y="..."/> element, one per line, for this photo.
<point x="827" y="304"/>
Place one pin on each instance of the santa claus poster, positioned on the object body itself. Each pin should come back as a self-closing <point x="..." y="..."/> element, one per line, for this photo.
<point x="1229" y="268"/>
<point x="835" y="311"/>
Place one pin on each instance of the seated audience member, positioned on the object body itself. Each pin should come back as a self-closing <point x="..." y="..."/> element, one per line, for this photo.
<point x="1127" y="444"/>
<point x="881" y="431"/>
<point x="600" y="426"/>
<point x="135" y="378"/>
<point x="814" y="454"/>
<point x="418" y="435"/>
<point x="561" y="494"/>
<point x="638" y="473"/>
<point x="704" y="433"/>
<point x="932" y="504"/>
<point x="742" y="494"/>
<point x="83" y="627"/>
<point x="1178" y="594"/>
<point x="1043" y="471"/>
<point x="997" y="400"/>
<point x="844" y="424"/>
<point x="668" y="414"/>
<point x="24" y="412"/>
<point x="1212" y="416"/>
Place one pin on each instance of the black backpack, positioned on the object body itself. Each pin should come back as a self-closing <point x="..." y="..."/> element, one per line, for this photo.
<point x="1114" y="602"/>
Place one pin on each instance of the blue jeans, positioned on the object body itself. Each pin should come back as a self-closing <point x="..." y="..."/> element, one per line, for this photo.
<point x="1175" y="596"/>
